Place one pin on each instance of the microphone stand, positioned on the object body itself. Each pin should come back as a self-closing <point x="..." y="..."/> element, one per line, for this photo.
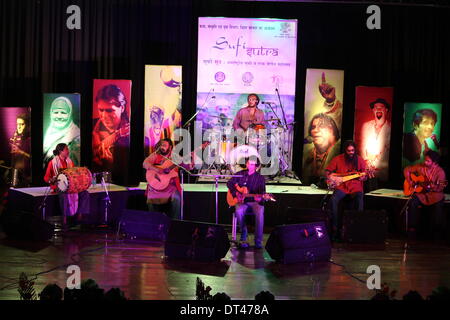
<point x="282" y="109"/>
<point x="188" y="123"/>
<point x="216" y="178"/>
<point x="276" y="115"/>
<point x="107" y="201"/>
<point x="43" y="203"/>
<point x="290" y="142"/>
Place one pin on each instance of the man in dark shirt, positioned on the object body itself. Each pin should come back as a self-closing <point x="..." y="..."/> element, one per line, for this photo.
<point x="255" y="184"/>
<point x="345" y="164"/>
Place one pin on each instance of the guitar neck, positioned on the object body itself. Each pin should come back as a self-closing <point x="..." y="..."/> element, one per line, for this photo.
<point x="248" y="195"/>
<point x="353" y="176"/>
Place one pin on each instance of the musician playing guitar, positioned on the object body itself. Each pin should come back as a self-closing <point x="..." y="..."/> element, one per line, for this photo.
<point x="163" y="181"/>
<point x="347" y="163"/>
<point x="425" y="183"/>
<point x="254" y="184"/>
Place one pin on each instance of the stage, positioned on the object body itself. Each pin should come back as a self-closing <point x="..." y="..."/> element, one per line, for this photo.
<point x="200" y="203"/>
<point x="139" y="269"/>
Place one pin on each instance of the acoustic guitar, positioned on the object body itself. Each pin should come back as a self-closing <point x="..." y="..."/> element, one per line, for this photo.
<point x="159" y="178"/>
<point x="419" y="184"/>
<point x="242" y="193"/>
<point x="104" y="151"/>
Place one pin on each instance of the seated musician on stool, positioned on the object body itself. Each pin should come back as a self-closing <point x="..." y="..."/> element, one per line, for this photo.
<point x="73" y="205"/>
<point x="166" y="182"/>
<point x="430" y="194"/>
<point x="255" y="184"/>
<point x="346" y="163"/>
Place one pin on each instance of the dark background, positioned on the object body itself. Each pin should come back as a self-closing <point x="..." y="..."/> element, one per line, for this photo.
<point x="38" y="54"/>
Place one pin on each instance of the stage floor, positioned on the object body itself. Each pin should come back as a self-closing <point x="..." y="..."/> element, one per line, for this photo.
<point x="138" y="268"/>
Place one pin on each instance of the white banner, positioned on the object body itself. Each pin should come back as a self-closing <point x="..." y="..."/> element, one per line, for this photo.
<point x="237" y="55"/>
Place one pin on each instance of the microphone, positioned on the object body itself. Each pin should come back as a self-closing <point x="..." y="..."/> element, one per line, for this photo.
<point x="435" y="140"/>
<point x="213" y="96"/>
<point x="268" y="102"/>
<point x="308" y="140"/>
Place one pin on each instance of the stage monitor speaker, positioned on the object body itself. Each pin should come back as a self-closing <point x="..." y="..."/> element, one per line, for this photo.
<point x="294" y="243"/>
<point x="24" y="225"/>
<point x="139" y="224"/>
<point x="306" y="215"/>
<point x="196" y="241"/>
<point x="368" y="226"/>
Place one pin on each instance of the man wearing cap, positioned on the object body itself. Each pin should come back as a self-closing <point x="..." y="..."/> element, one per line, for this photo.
<point x="375" y="135"/>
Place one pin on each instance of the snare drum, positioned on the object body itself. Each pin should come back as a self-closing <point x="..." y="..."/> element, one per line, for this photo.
<point x="74" y="180"/>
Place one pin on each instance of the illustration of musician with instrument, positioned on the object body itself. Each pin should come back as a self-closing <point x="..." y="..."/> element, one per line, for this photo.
<point x="422" y="138"/>
<point x="376" y="134"/>
<point x="111" y="133"/>
<point x="346" y="174"/>
<point x="321" y="146"/>
<point x="20" y="144"/>
<point x="425" y="183"/>
<point x="71" y="187"/>
<point x="249" y="191"/>
<point x="163" y="182"/>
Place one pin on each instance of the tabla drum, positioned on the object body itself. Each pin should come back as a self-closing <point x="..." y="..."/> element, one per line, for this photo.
<point x="74" y="180"/>
<point x="238" y="154"/>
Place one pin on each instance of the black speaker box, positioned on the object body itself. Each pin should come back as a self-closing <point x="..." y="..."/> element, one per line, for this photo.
<point x="24" y="225"/>
<point x="368" y="226"/>
<point x="307" y="242"/>
<point x="295" y="215"/>
<point x="196" y="241"/>
<point x="139" y="224"/>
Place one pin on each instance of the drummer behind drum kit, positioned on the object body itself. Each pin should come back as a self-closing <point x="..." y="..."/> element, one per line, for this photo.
<point x="268" y="146"/>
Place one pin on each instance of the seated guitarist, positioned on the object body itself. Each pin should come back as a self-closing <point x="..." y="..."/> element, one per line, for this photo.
<point x="255" y="184"/>
<point x="430" y="194"/>
<point x="347" y="162"/>
<point x="170" y="194"/>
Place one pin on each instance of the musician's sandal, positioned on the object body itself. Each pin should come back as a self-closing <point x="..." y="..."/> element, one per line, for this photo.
<point x="258" y="246"/>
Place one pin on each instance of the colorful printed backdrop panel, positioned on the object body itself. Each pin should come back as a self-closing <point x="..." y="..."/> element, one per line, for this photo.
<point x="372" y="133"/>
<point x="111" y="127"/>
<point x="323" y="118"/>
<point x="162" y="104"/>
<point x="15" y="151"/>
<point x="421" y="131"/>
<point x="61" y="125"/>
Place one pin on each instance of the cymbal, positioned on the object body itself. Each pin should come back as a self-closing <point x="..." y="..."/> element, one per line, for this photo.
<point x="224" y="118"/>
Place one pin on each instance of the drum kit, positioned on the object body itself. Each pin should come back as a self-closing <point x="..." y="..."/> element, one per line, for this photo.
<point x="270" y="141"/>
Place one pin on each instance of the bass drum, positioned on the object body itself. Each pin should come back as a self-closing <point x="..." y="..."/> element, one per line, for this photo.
<point x="238" y="154"/>
<point x="74" y="180"/>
